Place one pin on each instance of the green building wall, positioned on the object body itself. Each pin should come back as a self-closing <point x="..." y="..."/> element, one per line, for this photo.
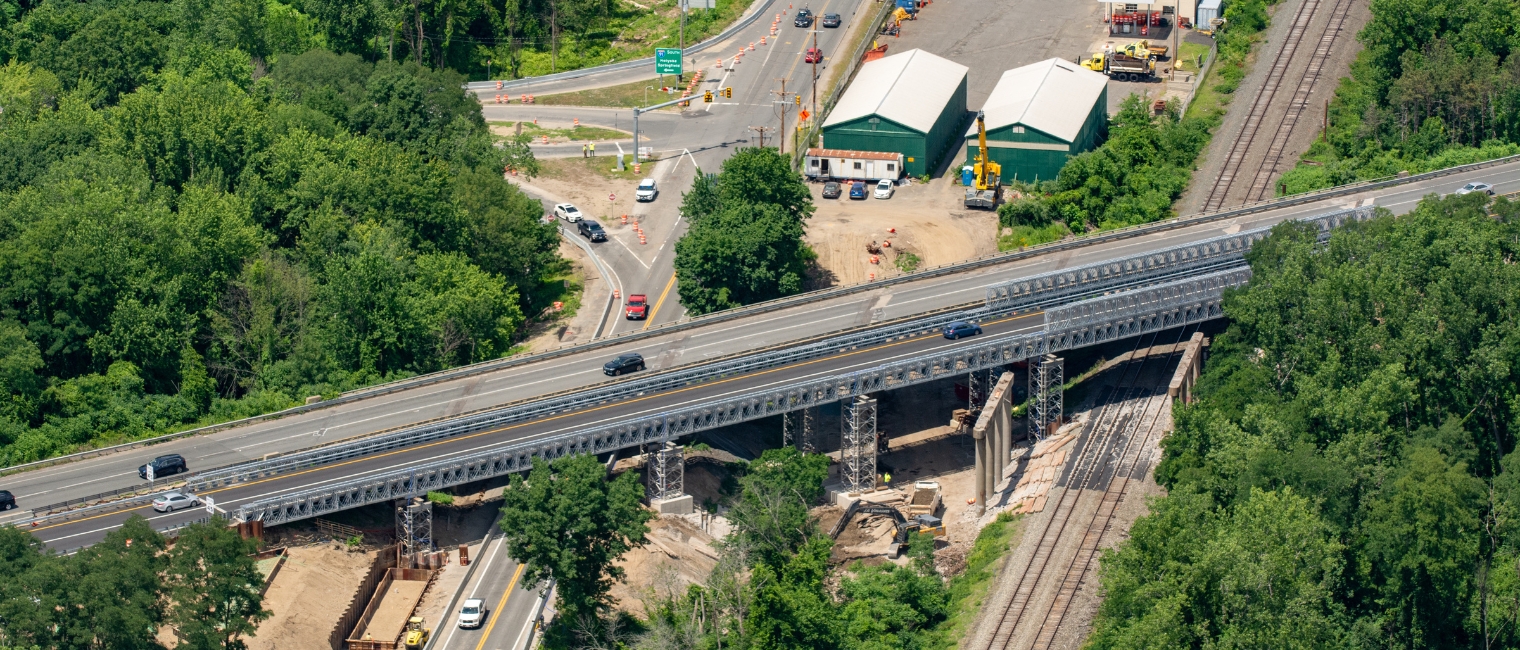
<point x="1042" y="155"/>
<point x="921" y="151"/>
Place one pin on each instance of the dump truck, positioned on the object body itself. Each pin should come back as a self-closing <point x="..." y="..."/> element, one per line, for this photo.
<point x="1128" y="68"/>
<point x="416" y="633"/>
<point x="925" y="499"/>
<point x="985" y="190"/>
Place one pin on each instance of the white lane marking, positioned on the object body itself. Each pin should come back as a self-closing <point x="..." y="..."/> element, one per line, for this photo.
<point x="97" y="530"/>
<point x="65" y="487"/>
<point x="630" y="251"/>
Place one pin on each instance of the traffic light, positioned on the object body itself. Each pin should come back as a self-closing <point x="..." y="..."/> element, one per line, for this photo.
<point x="799" y="100"/>
<point x="707" y="97"/>
<point x="728" y="92"/>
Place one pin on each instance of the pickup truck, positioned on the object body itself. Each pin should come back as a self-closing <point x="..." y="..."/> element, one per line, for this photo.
<point x="638" y="307"/>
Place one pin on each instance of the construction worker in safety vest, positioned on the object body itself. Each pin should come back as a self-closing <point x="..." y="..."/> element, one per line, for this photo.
<point x="583" y="151"/>
<point x="593" y="150"/>
<point x="886" y="478"/>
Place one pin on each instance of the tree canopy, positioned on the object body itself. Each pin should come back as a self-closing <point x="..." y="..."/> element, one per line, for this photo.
<point x="1346" y="477"/>
<point x="204" y="215"/>
<point x="744" y="244"/>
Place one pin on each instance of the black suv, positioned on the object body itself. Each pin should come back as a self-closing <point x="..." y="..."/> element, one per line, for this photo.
<point x="591" y="230"/>
<point x="164" y="466"/>
<point x="804" y="18"/>
<point x="626" y="362"/>
<point x="831" y="20"/>
<point x="7" y="500"/>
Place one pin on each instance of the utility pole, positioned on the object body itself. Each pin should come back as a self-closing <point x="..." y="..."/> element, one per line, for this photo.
<point x="814" y="102"/>
<point x="781" y="116"/>
<point x="682" y="6"/>
<point x="760" y="130"/>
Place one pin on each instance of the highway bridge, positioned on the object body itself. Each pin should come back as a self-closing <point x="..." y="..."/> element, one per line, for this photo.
<point x="708" y="373"/>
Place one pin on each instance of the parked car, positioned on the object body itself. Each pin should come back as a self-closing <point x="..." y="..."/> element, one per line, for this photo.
<point x="638" y="307"/>
<point x="7" y="500"/>
<point x="625" y="362"/>
<point x="858" y="190"/>
<point x="591" y="230"/>
<point x="174" y="501"/>
<point x="813" y="55"/>
<point x="804" y="18"/>
<point x="961" y="328"/>
<point x="647" y="190"/>
<point x="472" y="613"/>
<point x="164" y="466"/>
<point x="884" y="189"/>
<point x="567" y="212"/>
<point x="831" y="20"/>
<point x="831" y="190"/>
<point x="1476" y="187"/>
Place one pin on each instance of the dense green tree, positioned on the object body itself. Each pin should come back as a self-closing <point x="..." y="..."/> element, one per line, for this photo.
<point x="214" y="586"/>
<point x="1376" y="373"/>
<point x="771" y="512"/>
<point x="568" y="522"/>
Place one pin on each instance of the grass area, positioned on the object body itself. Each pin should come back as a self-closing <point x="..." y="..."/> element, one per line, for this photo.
<point x="1019" y="237"/>
<point x="1192" y="56"/>
<point x="970" y="588"/>
<point x="604" y="166"/>
<point x="631" y="33"/>
<point x="576" y="134"/>
<point x="629" y="95"/>
<point x="907" y="262"/>
<point x="566" y="288"/>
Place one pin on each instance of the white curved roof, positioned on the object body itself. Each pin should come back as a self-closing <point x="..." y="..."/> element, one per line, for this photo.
<point x="910" y="88"/>
<point x="1053" y="96"/>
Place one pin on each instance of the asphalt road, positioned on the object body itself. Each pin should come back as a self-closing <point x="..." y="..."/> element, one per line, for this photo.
<point x="74" y="480"/>
<point x="509" y="606"/>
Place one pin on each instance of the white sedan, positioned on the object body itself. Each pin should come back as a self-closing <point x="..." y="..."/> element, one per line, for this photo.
<point x="1476" y="187"/>
<point x="884" y="189"/>
<point x="174" y="501"/>
<point x="567" y="212"/>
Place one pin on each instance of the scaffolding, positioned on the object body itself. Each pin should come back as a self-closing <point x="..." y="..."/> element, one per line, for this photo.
<point x="858" y="444"/>
<point x="800" y="428"/>
<point x="666" y="467"/>
<point x="1046" y="377"/>
<point x="414" y="526"/>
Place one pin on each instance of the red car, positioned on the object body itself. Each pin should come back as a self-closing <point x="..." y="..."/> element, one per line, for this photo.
<point x="638" y="307"/>
<point x="814" y="55"/>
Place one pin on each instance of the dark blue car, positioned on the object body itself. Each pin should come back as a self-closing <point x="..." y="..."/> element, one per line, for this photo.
<point x="961" y="328"/>
<point x="858" y="190"/>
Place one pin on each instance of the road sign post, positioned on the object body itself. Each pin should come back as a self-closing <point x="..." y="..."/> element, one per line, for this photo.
<point x="667" y="60"/>
<point x="210" y="505"/>
<point x="149" y="472"/>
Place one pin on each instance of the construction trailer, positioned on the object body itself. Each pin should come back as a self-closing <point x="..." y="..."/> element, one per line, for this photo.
<point x="1039" y="116"/>
<point x="912" y="103"/>
<point x="847" y="165"/>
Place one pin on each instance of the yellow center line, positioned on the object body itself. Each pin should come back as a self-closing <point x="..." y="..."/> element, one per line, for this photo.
<point x="650" y="320"/>
<point x="560" y="416"/>
<point x="495" y="612"/>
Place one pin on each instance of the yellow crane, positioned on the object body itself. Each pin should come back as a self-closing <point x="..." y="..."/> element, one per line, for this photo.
<point x="986" y="188"/>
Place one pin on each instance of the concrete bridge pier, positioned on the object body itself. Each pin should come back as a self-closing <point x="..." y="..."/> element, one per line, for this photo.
<point x="993" y="435"/>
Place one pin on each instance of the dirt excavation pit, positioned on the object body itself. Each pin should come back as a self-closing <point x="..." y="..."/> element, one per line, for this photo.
<point x="678" y="553"/>
<point x="931" y="223"/>
<point x="308" y="596"/>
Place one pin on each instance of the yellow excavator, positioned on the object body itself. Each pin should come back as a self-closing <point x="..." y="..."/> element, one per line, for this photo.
<point x="416" y="633"/>
<point x="985" y="190"/>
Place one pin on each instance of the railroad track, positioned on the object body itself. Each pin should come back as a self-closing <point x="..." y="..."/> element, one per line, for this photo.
<point x="1243" y="144"/>
<point x="1261" y="185"/>
<point x="1111" y="431"/>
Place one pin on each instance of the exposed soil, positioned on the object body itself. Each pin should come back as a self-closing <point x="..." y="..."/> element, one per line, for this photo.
<point x="308" y="596"/>
<point x="679" y="553"/>
<point x="930" y="220"/>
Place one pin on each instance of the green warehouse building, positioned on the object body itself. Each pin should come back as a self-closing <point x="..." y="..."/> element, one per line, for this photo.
<point x="911" y="103"/>
<point x="1039" y="116"/>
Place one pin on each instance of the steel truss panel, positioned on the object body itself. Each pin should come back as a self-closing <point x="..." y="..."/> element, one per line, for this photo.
<point x="1085" y="323"/>
<point x="1218" y="252"/>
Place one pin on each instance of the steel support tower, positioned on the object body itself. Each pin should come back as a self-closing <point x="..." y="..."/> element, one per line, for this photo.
<point x="667" y="472"/>
<point x="1046" y="378"/>
<point x="414" y="525"/>
<point x="858" y="444"/>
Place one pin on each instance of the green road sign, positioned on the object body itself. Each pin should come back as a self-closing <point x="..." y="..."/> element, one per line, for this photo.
<point x="667" y="60"/>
